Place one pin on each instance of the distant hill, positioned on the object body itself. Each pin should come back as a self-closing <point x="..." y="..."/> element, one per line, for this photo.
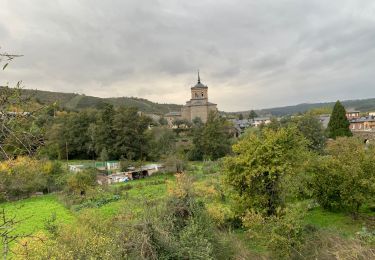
<point x="72" y="101"/>
<point x="363" y="105"/>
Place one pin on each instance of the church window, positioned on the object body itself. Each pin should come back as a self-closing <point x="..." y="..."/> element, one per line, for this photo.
<point x="202" y="94"/>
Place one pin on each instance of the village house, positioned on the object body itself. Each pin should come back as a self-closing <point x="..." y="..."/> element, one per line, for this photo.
<point x="261" y="120"/>
<point x="363" y="124"/>
<point x="352" y="115"/>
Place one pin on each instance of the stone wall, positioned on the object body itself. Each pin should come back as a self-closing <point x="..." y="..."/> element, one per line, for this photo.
<point x="370" y="135"/>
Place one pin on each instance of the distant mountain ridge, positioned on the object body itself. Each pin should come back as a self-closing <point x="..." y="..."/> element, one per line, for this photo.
<point x="73" y="101"/>
<point x="363" y="105"/>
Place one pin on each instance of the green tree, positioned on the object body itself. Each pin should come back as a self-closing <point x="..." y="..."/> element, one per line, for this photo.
<point x="259" y="166"/>
<point x="162" y="142"/>
<point x="338" y="124"/>
<point x="70" y="136"/>
<point x="240" y="116"/>
<point x="343" y="180"/>
<point x="102" y="131"/>
<point x="211" y="140"/>
<point x="252" y="114"/>
<point x="131" y="141"/>
<point x="312" y="130"/>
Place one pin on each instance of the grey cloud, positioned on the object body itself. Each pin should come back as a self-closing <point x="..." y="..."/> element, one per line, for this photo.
<point x="252" y="54"/>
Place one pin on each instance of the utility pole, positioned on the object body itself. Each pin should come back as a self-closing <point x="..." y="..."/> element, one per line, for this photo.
<point x="67" y="154"/>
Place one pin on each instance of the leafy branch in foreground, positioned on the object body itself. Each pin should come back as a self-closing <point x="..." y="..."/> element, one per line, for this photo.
<point x="8" y="232"/>
<point x="7" y="58"/>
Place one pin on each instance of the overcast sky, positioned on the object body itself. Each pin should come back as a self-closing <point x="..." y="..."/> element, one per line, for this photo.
<point x="251" y="53"/>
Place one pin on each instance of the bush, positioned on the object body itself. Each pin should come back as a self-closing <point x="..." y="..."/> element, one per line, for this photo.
<point x="343" y="180"/>
<point x="78" y="183"/>
<point x="283" y="235"/>
<point x="174" y="164"/>
<point x="261" y="163"/>
<point x="21" y="177"/>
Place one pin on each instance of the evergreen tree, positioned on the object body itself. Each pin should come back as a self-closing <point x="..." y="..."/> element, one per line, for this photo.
<point x="252" y="115"/>
<point x="211" y="140"/>
<point x="338" y="124"/>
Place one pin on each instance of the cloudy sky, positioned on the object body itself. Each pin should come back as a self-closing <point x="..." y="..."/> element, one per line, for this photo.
<point x="251" y="53"/>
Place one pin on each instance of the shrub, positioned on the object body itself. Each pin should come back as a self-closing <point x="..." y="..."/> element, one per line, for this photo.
<point x="23" y="176"/>
<point x="260" y="165"/>
<point x="282" y="234"/>
<point x="343" y="180"/>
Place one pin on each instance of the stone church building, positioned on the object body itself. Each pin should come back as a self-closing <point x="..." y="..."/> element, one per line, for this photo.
<point x="197" y="106"/>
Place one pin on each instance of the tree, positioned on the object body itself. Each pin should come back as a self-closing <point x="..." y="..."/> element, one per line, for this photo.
<point x="211" y="140"/>
<point x="162" y="142"/>
<point x="240" y="117"/>
<point x="252" y="115"/>
<point x="19" y="134"/>
<point x="102" y="131"/>
<point x="259" y="166"/>
<point x="8" y="235"/>
<point x="104" y="155"/>
<point x="70" y="134"/>
<point x="312" y="129"/>
<point x="343" y="180"/>
<point x="130" y="139"/>
<point x="338" y="124"/>
<point x="163" y="121"/>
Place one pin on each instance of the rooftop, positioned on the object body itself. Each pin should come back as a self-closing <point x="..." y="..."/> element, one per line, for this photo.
<point x="199" y="83"/>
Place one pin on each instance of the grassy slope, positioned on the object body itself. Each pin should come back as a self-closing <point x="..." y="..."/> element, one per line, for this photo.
<point x="73" y="101"/>
<point x="34" y="211"/>
<point x="154" y="188"/>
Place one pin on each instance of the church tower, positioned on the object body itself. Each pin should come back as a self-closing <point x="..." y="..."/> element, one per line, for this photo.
<point x="199" y="91"/>
<point x="198" y="106"/>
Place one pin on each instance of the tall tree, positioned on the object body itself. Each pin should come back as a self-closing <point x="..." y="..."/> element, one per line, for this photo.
<point x="344" y="179"/>
<point x="338" y="124"/>
<point x="102" y="132"/>
<point x="131" y="142"/>
<point x="252" y="114"/>
<point x="312" y="129"/>
<point x="260" y="165"/>
<point x="211" y="140"/>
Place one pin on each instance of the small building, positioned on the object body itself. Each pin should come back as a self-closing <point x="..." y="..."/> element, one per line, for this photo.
<point x="352" y="115"/>
<point x="76" y="167"/>
<point x="112" y="165"/>
<point x="363" y="124"/>
<point x="171" y="117"/>
<point x="261" y="120"/>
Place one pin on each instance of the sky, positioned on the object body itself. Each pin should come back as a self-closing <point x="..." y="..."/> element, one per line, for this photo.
<point x="252" y="54"/>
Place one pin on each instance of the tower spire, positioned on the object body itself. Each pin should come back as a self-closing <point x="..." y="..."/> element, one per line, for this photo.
<point x="199" y="78"/>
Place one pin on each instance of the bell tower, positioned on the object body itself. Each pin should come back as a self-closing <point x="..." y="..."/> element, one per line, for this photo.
<point x="199" y="91"/>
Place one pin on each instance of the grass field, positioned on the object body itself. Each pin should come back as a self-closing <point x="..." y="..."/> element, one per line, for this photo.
<point x="135" y="194"/>
<point x="337" y="222"/>
<point x="34" y="211"/>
